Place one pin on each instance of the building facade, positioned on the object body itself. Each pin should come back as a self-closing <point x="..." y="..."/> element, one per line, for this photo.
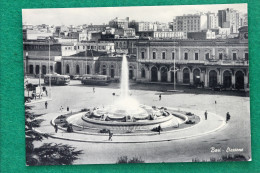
<point x="190" y="23"/>
<point x="229" y="18"/>
<point x="212" y="62"/>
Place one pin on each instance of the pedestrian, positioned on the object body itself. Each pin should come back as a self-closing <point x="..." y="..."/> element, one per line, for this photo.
<point x="160" y="96"/>
<point x="93" y="89"/>
<point x="215" y="101"/>
<point x="56" y="128"/>
<point x="46" y="105"/>
<point x="110" y="135"/>
<point x="159" y="129"/>
<point x="61" y="108"/>
<point x="46" y="92"/>
<point x="68" y="109"/>
<point x="227" y="117"/>
<point x="206" y="115"/>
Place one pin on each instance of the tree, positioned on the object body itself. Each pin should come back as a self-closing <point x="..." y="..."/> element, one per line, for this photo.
<point x="48" y="153"/>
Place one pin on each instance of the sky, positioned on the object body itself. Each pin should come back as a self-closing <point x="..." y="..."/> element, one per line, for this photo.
<point x="100" y="15"/>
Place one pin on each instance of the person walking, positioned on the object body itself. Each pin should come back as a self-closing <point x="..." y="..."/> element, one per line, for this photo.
<point x="159" y="129"/>
<point x="68" y="109"/>
<point x="110" y="135"/>
<point x="227" y="117"/>
<point x="93" y="89"/>
<point x="56" y="128"/>
<point x="46" y="105"/>
<point x="206" y="115"/>
<point x="160" y="96"/>
<point x="61" y="108"/>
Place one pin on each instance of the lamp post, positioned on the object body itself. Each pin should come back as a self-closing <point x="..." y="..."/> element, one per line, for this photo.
<point x="49" y="67"/>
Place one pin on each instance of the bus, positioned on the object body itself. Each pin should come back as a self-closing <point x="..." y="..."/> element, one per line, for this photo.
<point x="88" y="79"/>
<point x="57" y="79"/>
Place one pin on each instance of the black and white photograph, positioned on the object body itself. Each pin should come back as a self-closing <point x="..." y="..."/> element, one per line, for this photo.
<point x="143" y="84"/>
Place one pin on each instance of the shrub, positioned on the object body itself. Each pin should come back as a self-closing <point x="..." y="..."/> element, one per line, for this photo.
<point x="84" y="110"/>
<point x="61" y="117"/>
<point x="190" y="122"/>
<point x="189" y="114"/>
<point x="124" y="159"/>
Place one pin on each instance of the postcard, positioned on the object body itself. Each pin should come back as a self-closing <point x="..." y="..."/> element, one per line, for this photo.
<point x="146" y="84"/>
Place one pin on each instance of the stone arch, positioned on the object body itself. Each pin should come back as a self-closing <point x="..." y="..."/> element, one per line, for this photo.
<point x="104" y="69"/>
<point x="31" y="69"/>
<point x="186" y="75"/>
<point x="67" y="69"/>
<point x="88" y="69"/>
<point x="227" y="78"/>
<point x="44" y="69"/>
<point x="143" y="73"/>
<point x="77" y="69"/>
<point x="196" y="76"/>
<point x="164" y="74"/>
<point x="172" y="74"/>
<point x="131" y="71"/>
<point x="37" y="70"/>
<point x="239" y="79"/>
<point x="213" y="78"/>
<point x="154" y="74"/>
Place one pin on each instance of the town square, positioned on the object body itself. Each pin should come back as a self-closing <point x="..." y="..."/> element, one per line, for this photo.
<point x="131" y="90"/>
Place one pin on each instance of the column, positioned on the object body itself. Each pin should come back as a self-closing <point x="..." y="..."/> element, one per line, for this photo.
<point x="159" y="75"/>
<point x="181" y="76"/>
<point x="206" y="79"/>
<point x="148" y="75"/>
<point x="191" y="78"/>
<point x="233" y="80"/>
<point x="219" y="77"/>
<point x="169" y="76"/>
<point x="245" y="81"/>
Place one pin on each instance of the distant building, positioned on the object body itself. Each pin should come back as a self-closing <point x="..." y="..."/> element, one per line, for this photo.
<point x="29" y="34"/>
<point x="162" y="34"/>
<point x="201" y="35"/>
<point x="119" y="23"/>
<point x="190" y="23"/>
<point x="97" y="28"/>
<point x="212" y="62"/>
<point x="212" y="20"/>
<point x="229" y="18"/>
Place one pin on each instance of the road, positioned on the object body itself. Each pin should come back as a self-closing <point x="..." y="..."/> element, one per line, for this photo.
<point x="236" y="134"/>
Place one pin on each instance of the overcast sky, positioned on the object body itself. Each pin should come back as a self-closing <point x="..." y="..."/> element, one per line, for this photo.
<point x="79" y="16"/>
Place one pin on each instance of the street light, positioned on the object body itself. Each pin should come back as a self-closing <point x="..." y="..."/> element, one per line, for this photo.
<point x="49" y="39"/>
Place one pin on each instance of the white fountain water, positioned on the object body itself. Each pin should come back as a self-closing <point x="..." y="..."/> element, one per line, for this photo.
<point x="124" y="85"/>
<point x="125" y="105"/>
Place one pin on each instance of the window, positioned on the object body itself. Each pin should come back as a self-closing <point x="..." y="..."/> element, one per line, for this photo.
<point x="196" y="56"/>
<point x="246" y="56"/>
<point x="173" y="55"/>
<point x="220" y="56"/>
<point x="234" y="56"/>
<point x="186" y="56"/>
<point x="207" y="56"/>
<point x="163" y="55"/>
<point x="154" y="55"/>
<point x="142" y="55"/>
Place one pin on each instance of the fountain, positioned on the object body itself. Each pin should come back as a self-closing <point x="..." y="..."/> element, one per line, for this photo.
<point x="126" y="111"/>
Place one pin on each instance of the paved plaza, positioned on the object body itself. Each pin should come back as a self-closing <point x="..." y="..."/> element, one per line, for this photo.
<point x="182" y="145"/>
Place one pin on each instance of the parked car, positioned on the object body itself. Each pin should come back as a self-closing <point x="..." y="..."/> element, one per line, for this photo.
<point x="76" y="77"/>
